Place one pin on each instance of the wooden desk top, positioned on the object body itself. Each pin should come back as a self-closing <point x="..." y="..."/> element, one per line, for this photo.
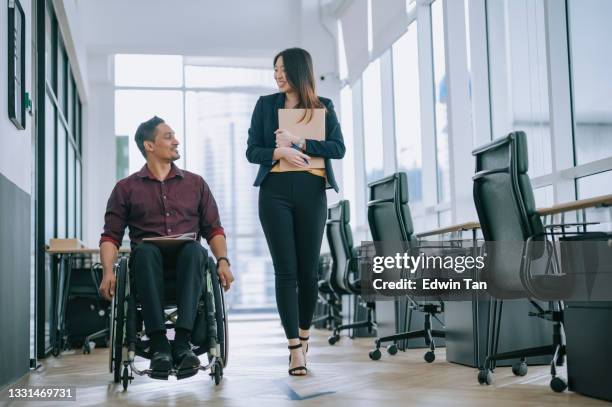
<point x="448" y="229"/>
<point x="603" y="200"/>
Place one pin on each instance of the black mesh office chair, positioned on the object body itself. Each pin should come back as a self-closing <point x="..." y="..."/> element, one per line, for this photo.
<point x="344" y="278"/>
<point x="328" y="305"/>
<point x="391" y="227"/>
<point x="516" y="240"/>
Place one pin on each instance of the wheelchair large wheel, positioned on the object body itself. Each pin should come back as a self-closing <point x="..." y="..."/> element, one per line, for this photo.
<point x="118" y="313"/>
<point x="221" y="311"/>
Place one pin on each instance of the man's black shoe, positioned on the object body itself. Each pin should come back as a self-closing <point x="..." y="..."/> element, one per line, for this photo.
<point x="161" y="362"/>
<point x="184" y="358"/>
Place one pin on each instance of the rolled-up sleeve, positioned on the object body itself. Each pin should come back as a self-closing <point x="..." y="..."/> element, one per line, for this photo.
<point x="115" y="218"/>
<point x="210" y="222"/>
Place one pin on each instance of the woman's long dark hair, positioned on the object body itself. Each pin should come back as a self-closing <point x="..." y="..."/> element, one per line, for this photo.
<point x="300" y="76"/>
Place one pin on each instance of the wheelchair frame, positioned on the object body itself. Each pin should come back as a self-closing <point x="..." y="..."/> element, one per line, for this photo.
<point x="126" y="328"/>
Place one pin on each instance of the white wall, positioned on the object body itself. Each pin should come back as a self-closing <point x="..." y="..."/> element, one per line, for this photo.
<point x="190" y="27"/>
<point x="16" y="155"/>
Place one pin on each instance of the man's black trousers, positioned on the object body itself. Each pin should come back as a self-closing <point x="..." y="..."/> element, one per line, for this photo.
<point x="157" y="277"/>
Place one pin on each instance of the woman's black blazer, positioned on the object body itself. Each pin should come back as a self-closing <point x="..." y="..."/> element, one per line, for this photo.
<point x="262" y="140"/>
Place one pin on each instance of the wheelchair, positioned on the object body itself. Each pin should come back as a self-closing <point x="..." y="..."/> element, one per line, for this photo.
<point x="210" y="333"/>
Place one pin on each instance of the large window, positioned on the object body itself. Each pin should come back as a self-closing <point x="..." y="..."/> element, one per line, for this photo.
<point x="372" y="122"/>
<point x="589" y="39"/>
<point x="441" y="101"/>
<point x="408" y="113"/>
<point x="210" y="108"/>
<point x="519" y="77"/>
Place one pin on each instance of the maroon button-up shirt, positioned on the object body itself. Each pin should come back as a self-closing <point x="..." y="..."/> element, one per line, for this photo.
<point x="182" y="203"/>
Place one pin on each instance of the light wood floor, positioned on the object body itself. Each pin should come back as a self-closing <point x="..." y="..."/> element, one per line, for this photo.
<point x="340" y="375"/>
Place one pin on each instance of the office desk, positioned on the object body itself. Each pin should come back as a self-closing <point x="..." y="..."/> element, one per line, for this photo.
<point x="65" y="259"/>
<point x="466" y="321"/>
<point x="587" y="324"/>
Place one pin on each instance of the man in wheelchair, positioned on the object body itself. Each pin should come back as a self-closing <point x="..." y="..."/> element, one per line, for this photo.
<point x="163" y="200"/>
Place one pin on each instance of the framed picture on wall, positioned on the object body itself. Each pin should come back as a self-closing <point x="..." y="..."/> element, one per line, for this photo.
<point x="16" y="64"/>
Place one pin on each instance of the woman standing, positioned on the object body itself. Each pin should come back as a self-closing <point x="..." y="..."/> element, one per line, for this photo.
<point x="293" y="205"/>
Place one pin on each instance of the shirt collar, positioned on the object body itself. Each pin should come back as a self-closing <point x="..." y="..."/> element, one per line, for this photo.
<point x="174" y="172"/>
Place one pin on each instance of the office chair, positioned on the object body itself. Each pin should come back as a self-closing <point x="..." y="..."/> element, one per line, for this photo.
<point x="516" y="240"/>
<point x="344" y="278"/>
<point x="391" y="227"/>
<point x="87" y="312"/>
<point x="328" y="300"/>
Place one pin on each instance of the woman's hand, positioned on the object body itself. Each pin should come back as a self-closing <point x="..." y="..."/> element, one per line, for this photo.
<point x="284" y="138"/>
<point x="295" y="157"/>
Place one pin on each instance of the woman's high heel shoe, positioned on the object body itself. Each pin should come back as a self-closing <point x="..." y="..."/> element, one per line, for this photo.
<point x="295" y="369"/>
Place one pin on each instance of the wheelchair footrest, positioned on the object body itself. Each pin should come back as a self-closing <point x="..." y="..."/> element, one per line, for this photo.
<point x="159" y="374"/>
<point x="183" y="374"/>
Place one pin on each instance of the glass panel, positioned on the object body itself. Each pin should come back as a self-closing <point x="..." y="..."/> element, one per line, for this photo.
<point x="61" y="180"/>
<point x="589" y="37"/>
<point x="70" y="100"/>
<point x="61" y="77"/>
<point x="441" y="95"/>
<point x="71" y="203"/>
<point x="348" y="162"/>
<point x="407" y="112"/>
<point x="133" y="107"/>
<point x="49" y="178"/>
<point x="49" y="49"/>
<point x="79" y="120"/>
<point x="216" y="133"/>
<point x="544" y="196"/>
<point x="149" y="70"/>
<point x="594" y="185"/>
<point x="518" y="76"/>
<point x="218" y="77"/>
<point x="372" y="122"/>
<point x="79" y="200"/>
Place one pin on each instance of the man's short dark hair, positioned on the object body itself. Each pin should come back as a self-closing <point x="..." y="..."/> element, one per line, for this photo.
<point x="146" y="131"/>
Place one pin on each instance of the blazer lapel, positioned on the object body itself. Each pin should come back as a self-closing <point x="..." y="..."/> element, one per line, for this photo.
<point x="280" y="104"/>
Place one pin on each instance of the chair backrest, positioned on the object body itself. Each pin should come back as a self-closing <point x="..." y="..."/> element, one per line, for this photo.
<point x="388" y="212"/>
<point x="506" y="210"/>
<point x="340" y="239"/>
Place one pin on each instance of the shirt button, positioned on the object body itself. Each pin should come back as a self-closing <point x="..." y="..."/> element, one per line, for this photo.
<point x="169" y="230"/>
<point x="167" y="213"/>
<point x="164" y="196"/>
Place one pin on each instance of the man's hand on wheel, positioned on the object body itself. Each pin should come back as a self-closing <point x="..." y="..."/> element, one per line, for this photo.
<point x="225" y="275"/>
<point x="107" y="286"/>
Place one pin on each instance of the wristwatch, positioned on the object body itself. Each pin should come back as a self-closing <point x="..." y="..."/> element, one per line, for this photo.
<point x="223" y="258"/>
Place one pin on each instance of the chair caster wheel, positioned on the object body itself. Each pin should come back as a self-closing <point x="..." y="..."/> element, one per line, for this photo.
<point x="333" y="339"/>
<point x="217" y="373"/>
<point x="125" y="378"/>
<point x="429" y="357"/>
<point x="375" y="354"/>
<point x="485" y="377"/>
<point x="519" y="369"/>
<point x="392" y="350"/>
<point x="558" y="384"/>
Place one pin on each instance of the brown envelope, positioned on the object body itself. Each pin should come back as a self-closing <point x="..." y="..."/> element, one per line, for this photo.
<point x="314" y="130"/>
